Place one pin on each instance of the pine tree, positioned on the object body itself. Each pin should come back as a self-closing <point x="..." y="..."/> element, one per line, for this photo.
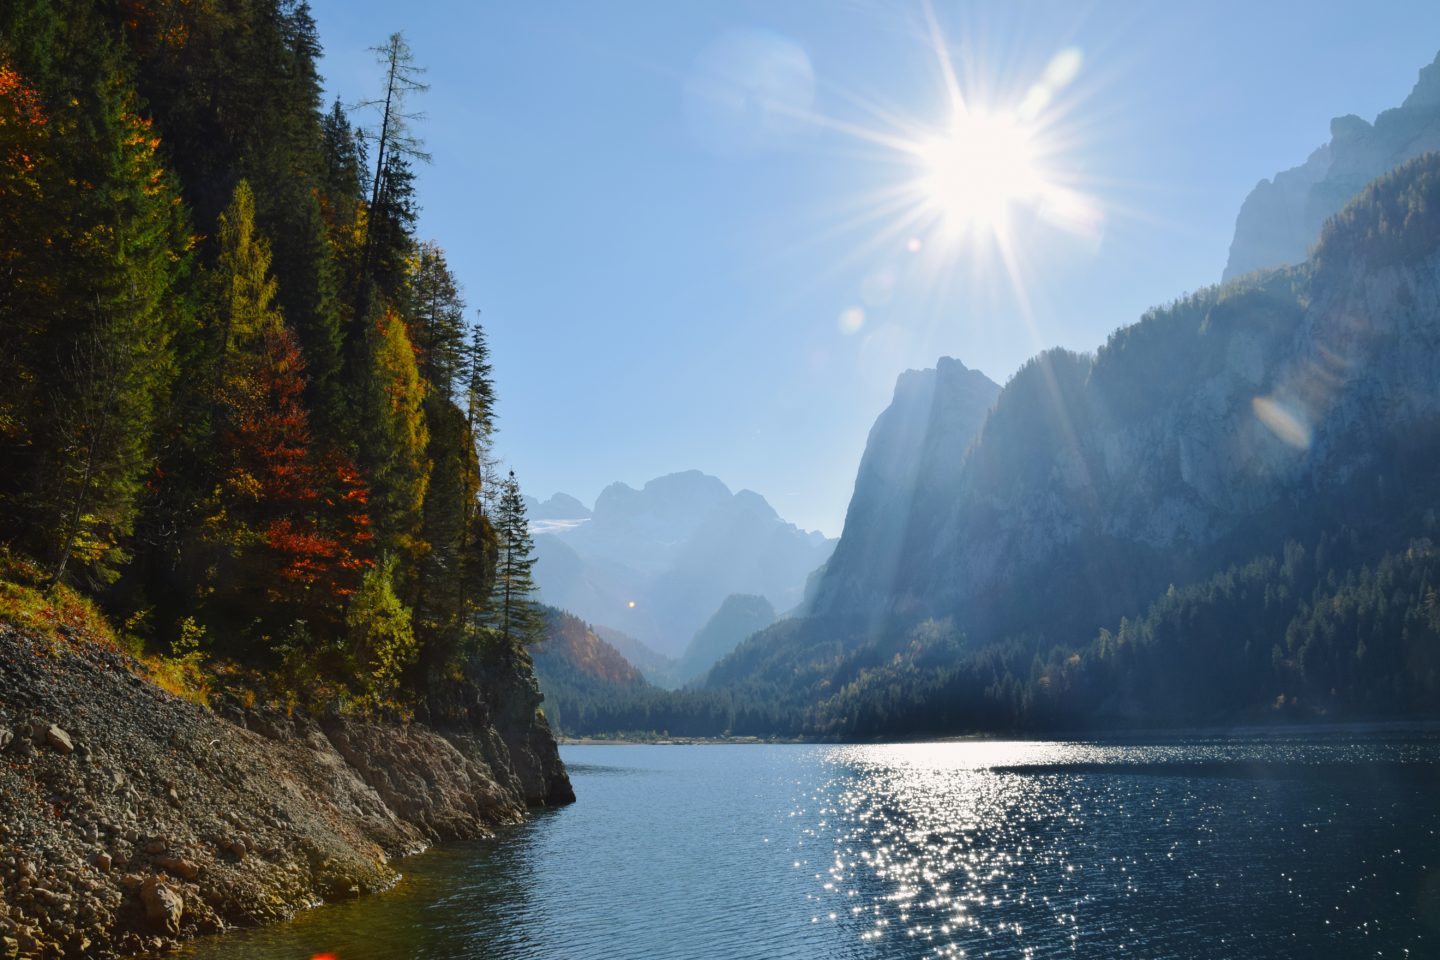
<point x="437" y="317"/>
<point x="512" y="611"/>
<point x="94" y="248"/>
<point x="391" y="212"/>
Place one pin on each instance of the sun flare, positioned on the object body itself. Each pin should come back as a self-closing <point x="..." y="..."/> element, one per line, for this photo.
<point x="973" y="176"/>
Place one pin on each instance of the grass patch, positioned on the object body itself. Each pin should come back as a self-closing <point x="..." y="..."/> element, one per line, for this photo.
<point x="67" y="619"/>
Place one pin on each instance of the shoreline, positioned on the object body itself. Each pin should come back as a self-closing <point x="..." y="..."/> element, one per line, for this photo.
<point x="134" y="820"/>
<point x="1211" y="731"/>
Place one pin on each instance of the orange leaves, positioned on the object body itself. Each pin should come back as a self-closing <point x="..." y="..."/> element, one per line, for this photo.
<point x="23" y="100"/>
<point x="22" y="119"/>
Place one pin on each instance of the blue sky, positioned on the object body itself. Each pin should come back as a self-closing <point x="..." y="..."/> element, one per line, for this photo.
<point x="673" y="277"/>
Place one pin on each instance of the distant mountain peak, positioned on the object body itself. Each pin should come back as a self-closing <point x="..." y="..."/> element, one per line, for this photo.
<point x="676" y="548"/>
<point x="561" y="506"/>
<point x="1281" y="218"/>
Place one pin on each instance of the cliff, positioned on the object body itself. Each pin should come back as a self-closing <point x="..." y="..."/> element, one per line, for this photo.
<point x="133" y="818"/>
<point x="1281" y="218"/>
<point x="1294" y="413"/>
<point x="1208" y="425"/>
<point x="916" y="445"/>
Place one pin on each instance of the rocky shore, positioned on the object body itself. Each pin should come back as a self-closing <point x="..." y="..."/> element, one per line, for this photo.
<point x="131" y="819"/>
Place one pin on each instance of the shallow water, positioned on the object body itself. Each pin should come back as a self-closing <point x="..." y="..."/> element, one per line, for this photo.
<point x="1317" y="847"/>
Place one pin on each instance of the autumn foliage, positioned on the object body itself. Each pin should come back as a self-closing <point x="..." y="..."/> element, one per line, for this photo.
<point x="230" y="367"/>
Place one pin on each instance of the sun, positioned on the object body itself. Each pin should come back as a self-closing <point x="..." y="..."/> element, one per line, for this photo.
<point x="978" y="172"/>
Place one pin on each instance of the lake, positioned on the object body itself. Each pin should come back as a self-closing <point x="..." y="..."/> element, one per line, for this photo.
<point x="1215" y="848"/>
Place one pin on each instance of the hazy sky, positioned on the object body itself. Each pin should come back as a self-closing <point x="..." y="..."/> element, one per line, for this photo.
<point x="702" y="237"/>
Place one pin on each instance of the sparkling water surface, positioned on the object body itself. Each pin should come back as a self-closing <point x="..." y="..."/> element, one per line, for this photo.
<point x="1225" y="848"/>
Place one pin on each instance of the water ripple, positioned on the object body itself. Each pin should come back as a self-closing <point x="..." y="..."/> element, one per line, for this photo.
<point x="1252" y="848"/>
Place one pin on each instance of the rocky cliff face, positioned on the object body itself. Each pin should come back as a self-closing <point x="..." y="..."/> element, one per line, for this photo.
<point x="914" y="451"/>
<point x="1281" y="218"/>
<point x="130" y="818"/>
<point x="1225" y="422"/>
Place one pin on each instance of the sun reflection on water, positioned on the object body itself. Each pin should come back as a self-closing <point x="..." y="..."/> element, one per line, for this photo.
<point x="1032" y="848"/>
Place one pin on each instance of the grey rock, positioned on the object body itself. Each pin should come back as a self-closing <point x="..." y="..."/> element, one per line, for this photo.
<point x="58" y="740"/>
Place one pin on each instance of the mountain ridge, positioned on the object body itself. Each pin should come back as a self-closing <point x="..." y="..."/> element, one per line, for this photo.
<point x="657" y="562"/>
<point x="1281" y="218"/>
<point x="1289" y="413"/>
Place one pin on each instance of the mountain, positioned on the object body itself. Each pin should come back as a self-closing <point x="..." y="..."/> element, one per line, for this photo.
<point x="1281" y="218"/>
<point x="659" y="669"/>
<point x="589" y="689"/>
<point x="1198" y="522"/>
<point x="574" y="666"/>
<point x="739" y="616"/>
<point x="657" y="562"/>
<point x="916" y="444"/>
<point x="561" y="506"/>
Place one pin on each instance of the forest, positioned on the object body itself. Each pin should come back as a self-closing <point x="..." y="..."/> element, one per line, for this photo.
<point x="246" y="411"/>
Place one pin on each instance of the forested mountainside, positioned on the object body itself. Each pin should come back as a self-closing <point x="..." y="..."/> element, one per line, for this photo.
<point x="244" y="407"/>
<point x="246" y="491"/>
<point x="1281" y="218"/>
<point x="590" y="689"/>
<point x="656" y="563"/>
<point x="1225" y="513"/>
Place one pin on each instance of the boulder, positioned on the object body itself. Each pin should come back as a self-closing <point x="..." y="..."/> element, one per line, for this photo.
<point x="163" y="906"/>
<point x="58" y="740"/>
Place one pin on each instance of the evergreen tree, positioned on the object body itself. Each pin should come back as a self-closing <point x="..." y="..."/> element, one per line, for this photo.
<point x="391" y="212"/>
<point x="94" y="249"/>
<point x="512" y="611"/>
<point x="437" y="319"/>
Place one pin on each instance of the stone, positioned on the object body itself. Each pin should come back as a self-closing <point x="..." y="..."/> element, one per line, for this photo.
<point x="158" y="845"/>
<point x="58" y="740"/>
<point x="6" y="735"/>
<point x="185" y="869"/>
<point x="103" y="862"/>
<point x="163" y="906"/>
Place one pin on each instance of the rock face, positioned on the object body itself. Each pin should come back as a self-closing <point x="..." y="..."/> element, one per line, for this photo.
<point x="914" y="452"/>
<point x="1280" y="406"/>
<point x="166" y="820"/>
<point x="676" y="549"/>
<point x="1281" y="218"/>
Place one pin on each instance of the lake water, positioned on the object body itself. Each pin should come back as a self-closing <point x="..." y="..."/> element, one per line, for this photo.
<point x="1311" y="847"/>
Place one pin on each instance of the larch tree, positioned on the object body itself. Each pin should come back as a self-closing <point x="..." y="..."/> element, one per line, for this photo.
<point x="290" y="525"/>
<point x="395" y="438"/>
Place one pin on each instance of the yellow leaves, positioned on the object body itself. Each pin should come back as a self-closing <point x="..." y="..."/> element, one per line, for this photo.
<point x="244" y="485"/>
